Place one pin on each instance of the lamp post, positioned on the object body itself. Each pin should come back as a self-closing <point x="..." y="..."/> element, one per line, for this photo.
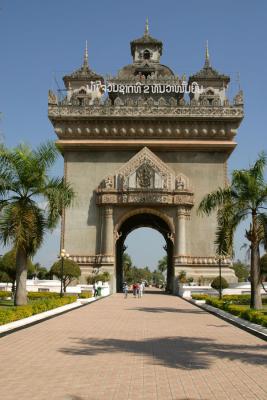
<point x="63" y="256"/>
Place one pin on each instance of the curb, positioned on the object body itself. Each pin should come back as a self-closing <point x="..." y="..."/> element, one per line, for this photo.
<point x="46" y="317"/>
<point x="253" y="329"/>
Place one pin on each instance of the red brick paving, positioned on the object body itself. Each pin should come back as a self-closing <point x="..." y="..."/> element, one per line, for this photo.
<point x="157" y="347"/>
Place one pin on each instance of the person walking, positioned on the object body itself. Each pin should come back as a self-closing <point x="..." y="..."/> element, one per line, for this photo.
<point x="95" y="290"/>
<point x="138" y="290"/>
<point x="125" y="290"/>
<point x="134" y="289"/>
<point x="141" y="289"/>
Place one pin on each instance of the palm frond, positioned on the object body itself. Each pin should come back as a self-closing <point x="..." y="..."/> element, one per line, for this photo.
<point x="214" y="200"/>
<point x="60" y="195"/>
<point x="46" y="155"/>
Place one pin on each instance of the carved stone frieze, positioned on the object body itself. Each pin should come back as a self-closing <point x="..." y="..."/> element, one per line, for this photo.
<point x="92" y="259"/>
<point x="211" y="260"/>
<point x="154" y="128"/>
<point x="143" y="197"/>
<point x="148" y="110"/>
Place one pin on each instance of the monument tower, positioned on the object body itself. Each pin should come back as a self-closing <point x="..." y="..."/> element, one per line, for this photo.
<point x="140" y="152"/>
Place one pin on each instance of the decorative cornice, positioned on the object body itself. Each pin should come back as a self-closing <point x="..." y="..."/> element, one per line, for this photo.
<point x="156" y="129"/>
<point x="71" y="111"/>
<point x="191" y="260"/>
<point x="92" y="259"/>
<point x="159" y="145"/>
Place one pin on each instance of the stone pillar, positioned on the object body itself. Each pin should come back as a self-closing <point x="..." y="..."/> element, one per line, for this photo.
<point x="180" y="232"/>
<point x="108" y="240"/>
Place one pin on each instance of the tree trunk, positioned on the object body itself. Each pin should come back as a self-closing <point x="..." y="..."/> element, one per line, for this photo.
<point x="255" y="275"/>
<point x="21" y="278"/>
<point x="13" y="287"/>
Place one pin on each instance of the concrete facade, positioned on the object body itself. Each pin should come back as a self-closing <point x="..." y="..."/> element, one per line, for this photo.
<point x="127" y="155"/>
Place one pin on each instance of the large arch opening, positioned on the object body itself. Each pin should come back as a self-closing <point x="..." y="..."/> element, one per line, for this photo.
<point x="141" y="220"/>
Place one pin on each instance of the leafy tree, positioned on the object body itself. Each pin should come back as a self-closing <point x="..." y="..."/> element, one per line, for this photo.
<point x="162" y="264"/>
<point x="71" y="271"/>
<point x="24" y="184"/>
<point x="103" y="277"/>
<point x="8" y="268"/>
<point x="241" y="271"/>
<point x="137" y="275"/>
<point x="158" y="278"/>
<point x="126" y="263"/>
<point x="245" y="197"/>
<point x="39" y="272"/>
<point x="215" y="284"/>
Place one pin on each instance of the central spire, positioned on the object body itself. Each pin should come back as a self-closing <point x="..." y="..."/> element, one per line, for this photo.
<point x="85" y="58"/>
<point x="146" y="27"/>
<point x="207" y="56"/>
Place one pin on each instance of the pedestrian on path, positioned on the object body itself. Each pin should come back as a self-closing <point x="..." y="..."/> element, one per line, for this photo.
<point x="141" y="289"/>
<point x="125" y="290"/>
<point x="138" y="290"/>
<point x="95" y="290"/>
<point x="134" y="289"/>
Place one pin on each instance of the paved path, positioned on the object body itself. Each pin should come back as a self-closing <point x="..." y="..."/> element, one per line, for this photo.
<point x="157" y="347"/>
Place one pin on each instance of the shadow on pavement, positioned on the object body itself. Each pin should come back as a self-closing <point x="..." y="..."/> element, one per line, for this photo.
<point x="158" y="310"/>
<point x="174" y="352"/>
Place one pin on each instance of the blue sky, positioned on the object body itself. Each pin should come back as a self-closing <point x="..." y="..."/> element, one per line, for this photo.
<point x="42" y="39"/>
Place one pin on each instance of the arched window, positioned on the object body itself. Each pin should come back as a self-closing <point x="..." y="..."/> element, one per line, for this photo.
<point x="146" y="54"/>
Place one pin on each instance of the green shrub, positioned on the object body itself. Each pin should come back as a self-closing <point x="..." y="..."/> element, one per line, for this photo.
<point x="241" y="299"/>
<point x="257" y="317"/>
<point x="215" y="284"/>
<point x="4" y="294"/>
<point x="213" y="301"/>
<point x="85" y="295"/>
<point x="42" y="295"/>
<point x="36" y="307"/>
<point x="200" y="296"/>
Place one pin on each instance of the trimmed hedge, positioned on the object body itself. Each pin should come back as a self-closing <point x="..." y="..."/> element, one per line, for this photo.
<point x="15" y="313"/>
<point x="85" y="295"/>
<point x="241" y="298"/>
<point x="42" y="295"/>
<point x="257" y="317"/>
<point x="4" y="294"/>
<point x="200" y="296"/>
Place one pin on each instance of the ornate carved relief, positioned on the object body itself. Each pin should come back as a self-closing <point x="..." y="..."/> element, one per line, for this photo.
<point x="145" y="179"/>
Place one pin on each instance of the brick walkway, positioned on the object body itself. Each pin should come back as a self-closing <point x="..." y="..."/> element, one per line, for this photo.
<point x="157" y="347"/>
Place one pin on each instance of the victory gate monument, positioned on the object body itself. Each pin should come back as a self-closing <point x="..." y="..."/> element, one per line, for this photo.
<point x="141" y="149"/>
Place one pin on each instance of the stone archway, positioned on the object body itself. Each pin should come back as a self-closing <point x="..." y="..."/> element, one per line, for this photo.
<point x="139" y="219"/>
<point x="143" y="190"/>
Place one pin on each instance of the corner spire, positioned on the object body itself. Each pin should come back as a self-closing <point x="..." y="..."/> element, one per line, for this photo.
<point x="207" y="56"/>
<point x="146" y="27"/>
<point x="85" y="58"/>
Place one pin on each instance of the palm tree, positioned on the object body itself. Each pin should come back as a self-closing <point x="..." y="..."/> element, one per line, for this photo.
<point x="245" y="197"/>
<point x="162" y="264"/>
<point x="24" y="189"/>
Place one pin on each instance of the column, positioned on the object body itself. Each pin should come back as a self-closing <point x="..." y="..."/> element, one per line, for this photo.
<point x="108" y="240"/>
<point x="180" y="235"/>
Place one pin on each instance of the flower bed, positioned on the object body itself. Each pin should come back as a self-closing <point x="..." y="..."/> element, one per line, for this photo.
<point x="37" y="306"/>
